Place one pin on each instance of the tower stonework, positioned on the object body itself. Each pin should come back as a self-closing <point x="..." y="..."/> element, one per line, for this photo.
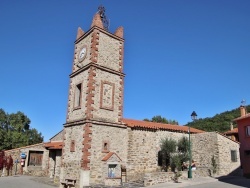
<point x="94" y="130"/>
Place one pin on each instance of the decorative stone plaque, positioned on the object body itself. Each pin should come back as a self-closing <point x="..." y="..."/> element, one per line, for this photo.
<point x="107" y="95"/>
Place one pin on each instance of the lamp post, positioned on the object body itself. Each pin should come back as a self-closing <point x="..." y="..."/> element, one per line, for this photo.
<point x="193" y="116"/>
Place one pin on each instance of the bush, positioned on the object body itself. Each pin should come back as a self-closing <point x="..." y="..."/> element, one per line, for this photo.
<point x="174" y="153"/>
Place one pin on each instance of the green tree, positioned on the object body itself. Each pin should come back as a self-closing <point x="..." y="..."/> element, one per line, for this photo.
<point x="34" y="137"/>
<point x="168" y="146"/>
<point x="174" y="153"/>
<point x="183" y="145"/>
<point x="159" y="119"/>
<point x="15" y="131"/>
<point x="219" y="122"/>
<point x="3" y="127"/>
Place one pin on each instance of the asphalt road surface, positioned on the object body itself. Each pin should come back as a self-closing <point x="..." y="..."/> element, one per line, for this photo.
<point x="42" y="182"/>
<point x="227" y="182"/>
<point x="24" y="182"/>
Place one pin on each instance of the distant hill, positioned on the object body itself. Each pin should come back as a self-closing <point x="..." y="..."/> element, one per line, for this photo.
<point x="220" y="122"/>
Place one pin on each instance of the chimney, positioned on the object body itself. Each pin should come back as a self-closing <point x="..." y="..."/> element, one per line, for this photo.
<point x="231" y="126"/>
<point x="242" y="111"/>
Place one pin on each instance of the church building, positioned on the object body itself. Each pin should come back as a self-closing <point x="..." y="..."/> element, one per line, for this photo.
<point x="97" y="144"/>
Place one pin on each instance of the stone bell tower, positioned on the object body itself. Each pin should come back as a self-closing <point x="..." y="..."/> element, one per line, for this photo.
<point x="95" y="102"/>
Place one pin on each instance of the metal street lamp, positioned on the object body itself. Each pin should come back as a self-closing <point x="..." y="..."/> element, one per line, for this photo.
<point x="193" y="116"/>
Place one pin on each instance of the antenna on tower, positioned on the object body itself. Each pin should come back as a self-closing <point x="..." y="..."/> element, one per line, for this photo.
<point x="105" y="21"/>
<point x="243" y="102"/>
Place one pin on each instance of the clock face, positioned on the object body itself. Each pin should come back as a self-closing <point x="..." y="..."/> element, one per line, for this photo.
<point x="82" y="54"/>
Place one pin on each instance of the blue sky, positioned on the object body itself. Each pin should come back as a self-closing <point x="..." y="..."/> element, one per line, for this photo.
<point x="180" y="56"/>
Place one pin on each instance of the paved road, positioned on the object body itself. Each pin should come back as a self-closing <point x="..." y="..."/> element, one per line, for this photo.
<point x="24" y="182"/>
<point x="227" y="182"/>
<point x="205" y="182"/>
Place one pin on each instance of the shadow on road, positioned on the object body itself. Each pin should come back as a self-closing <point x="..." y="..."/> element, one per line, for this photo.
<point x="235" y="180"/>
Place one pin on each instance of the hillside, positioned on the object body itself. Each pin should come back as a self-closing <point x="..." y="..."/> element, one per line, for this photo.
<point x="220" y="122"/>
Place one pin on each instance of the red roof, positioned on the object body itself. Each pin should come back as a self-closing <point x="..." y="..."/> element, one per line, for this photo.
<point x="234" y="131"/>
<point x="161" y="126"/>
<point x="53" y="145"/>
<point x="242" y="117"/>
<point x="109" y="155"/>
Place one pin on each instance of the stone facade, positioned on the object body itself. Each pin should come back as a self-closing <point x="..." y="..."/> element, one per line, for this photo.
<point x="97" y="140"/>
<point x="207" y="145"/>
<point x="117" y="140"/>
<point x="42" y="159"/>
<point x="143" y="148"/>
<point x="141" y="153"/>
<point x="55" y="164"/>
<point x="162" y="177"/>
<point x="57" y="137"/>
<point x="95" y="106"/>
<point x="204" y="146"/>
<point x="30" y="168"/>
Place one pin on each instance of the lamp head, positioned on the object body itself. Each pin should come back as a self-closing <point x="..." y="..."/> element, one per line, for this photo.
<point x="194" y="115"/>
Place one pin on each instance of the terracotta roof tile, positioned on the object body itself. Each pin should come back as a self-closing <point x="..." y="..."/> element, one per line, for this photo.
<point x="235" y="130"/>
<point x="242" y="117"/>
<point x="53" y="145"/>
<point x="161" y="126"/>
<point x="109" y="155"/>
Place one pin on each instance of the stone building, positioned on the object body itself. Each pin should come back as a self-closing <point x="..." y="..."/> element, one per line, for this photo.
<point x="55" y="156"/>
<point x="43" y="159"/>
<point x="98" y="142"/>
<point x="224" y="150"/>
<point x="98" y="145"/>
<point x="34" y="162"/>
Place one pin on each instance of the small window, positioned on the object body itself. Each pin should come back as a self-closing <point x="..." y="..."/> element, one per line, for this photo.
<point x="78" y="93"/>
<point x="72" y="146"/>
<point x="247" y="153"/>
<point x="105" y="146"/>
<point x="112" y="169"/>
<point x="248" y="130"/>
<point x="233" y="156"/>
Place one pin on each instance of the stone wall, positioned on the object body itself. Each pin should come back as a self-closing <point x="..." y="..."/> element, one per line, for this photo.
<point x="226" y="165"/>
<point x="58" y="164"/>
<point x="207" y="145"/>
<point x="109" y="52"/>
<point x="57" y="137"/>
<point x="86" y="42"/>
<point x="141" y="153"/>
<point x="204" y="146"/>
<point x="157" y="177"/>
<point x="117" y="139"/>
<point x="107" y="100"/>
<point x="160" y="135"/>
<point x="71" y="159"/>
<point x="162" y="177"/>
<point x="55" y="157"/>
<point x="143" y="148"/>
<point x="29" y="169"/>
<point x="76" y="114"/>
